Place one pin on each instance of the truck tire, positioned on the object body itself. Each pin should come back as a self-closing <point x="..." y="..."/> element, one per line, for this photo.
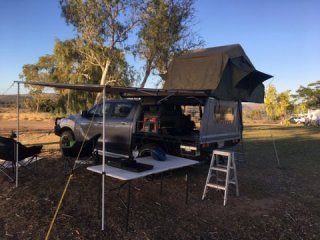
<point x="146" y="149"/>
<point x="66" y="136"/>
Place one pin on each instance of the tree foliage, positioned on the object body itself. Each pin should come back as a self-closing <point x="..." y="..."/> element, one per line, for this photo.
<point x="276" y="105"/>
<point x="165" y="31"/>
<point x="300" y="108"/>
<point x="102" y="29"/>
<point x="254" y="114"/>
<point x="97" y="54"/>
<point x="270" y="101"/>
<point x="66" y="65"/>
<point x="37" y="72"/>
<point x="283" y="106"/>
<point x="309" y="95"/>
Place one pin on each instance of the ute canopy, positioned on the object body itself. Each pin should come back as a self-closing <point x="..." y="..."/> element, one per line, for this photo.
<point x="226" y="72"/>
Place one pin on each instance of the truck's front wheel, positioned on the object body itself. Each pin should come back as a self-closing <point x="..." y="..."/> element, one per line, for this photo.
<point x="66" y="137"/>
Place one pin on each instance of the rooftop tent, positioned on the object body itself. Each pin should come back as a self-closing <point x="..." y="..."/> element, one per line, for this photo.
<point x="226" y="72"/>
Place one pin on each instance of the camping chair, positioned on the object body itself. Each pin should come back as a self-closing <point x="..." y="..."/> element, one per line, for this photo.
<point x="75" y="150"/>
<point x="26" y="156"/>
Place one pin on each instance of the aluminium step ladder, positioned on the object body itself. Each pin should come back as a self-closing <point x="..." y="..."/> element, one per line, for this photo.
<point x="229" y="169"/>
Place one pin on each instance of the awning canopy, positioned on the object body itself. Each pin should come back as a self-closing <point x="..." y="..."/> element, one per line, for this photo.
<point x="123" y="91"/>
<point x="224" y="72"/>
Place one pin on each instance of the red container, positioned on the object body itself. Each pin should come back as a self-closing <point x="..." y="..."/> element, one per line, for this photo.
<point x="150" y="124"/>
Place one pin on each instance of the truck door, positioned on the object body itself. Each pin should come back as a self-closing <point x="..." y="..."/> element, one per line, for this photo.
<point x="119" y="128"/>
<point x="91" y="124"/>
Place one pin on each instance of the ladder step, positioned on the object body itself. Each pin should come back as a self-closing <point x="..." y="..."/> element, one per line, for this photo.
<point x="224" y="166"/>
<point x="232" y="182"/>
<point x="219" y="169"/>
<point x="216" y="186"/>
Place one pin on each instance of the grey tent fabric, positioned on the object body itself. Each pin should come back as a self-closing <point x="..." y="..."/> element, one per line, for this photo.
<point x="226" y="72"/>
<point x="123" y="91"/>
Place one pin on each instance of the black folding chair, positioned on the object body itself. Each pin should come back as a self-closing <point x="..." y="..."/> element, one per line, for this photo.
<point x="26" y="155"/>
<point x="84" y="151"/>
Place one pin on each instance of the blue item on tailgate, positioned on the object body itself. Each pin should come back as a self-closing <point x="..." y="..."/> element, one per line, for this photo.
<point x="158" y="154"/>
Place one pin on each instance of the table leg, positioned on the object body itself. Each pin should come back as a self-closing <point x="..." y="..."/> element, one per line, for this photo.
<point x="128" y="205"/>
<point x="99" y="195"/>
<point x="100" y="203"/>
<point x="187" y="184"/>
<point x="161" y="179"/>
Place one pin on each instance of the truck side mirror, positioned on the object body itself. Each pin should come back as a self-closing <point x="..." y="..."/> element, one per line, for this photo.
<point x="84" y="113"/>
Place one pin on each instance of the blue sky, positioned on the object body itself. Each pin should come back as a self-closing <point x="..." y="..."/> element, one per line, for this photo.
<point x="280" y="37"/>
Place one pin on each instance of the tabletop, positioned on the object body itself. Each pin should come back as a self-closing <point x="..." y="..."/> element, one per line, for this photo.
<point x="172" y="162"/>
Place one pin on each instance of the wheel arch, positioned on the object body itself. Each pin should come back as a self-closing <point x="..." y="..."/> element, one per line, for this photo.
<point x="64" y="129"/>
<point x="146" y="148"/>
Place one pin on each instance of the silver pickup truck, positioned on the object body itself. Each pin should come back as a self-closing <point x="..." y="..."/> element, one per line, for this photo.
<point x="188" y="127"/>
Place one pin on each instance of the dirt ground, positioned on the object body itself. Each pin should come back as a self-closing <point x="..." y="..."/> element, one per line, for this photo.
<point x="8" y="125"/>
<point x="275" y="202"/>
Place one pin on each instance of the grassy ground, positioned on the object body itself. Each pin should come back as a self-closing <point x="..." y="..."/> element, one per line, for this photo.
<point x="277" y="201"/>
<point x="11" y="114"/>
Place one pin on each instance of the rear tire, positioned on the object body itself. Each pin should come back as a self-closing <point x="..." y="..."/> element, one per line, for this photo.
<point x="146" y="149"/>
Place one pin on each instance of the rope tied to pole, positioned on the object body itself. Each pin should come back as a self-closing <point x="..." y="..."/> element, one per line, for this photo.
<point x="67" y="185"/>
<point x="3" y="93"/>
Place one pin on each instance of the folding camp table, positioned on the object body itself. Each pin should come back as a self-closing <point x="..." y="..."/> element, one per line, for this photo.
<point x="171" y="163"/>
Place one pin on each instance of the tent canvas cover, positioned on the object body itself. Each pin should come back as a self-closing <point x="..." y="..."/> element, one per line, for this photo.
<point x="225" y="72"/>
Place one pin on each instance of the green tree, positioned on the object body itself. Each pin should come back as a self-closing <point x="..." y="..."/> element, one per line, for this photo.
<point x="102" y="30"/>
<point x="270" y="102"/>
<point x="300" y="108"/>
<point x="165" y="31"/>
<point x="37" y="97"/>
<point x="73" y="67"/>
<point x="254" y="114"/>
<point x="37" y="72"/>
<point x="276" y="105"/>
<point x="66" y="65"/>
<point x="97" y="53"/>
<point x="310" y="95"/>
<point x="283" y="104"/>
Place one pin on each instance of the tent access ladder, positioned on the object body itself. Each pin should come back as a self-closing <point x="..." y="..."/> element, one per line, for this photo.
<point x="219" y="165"/>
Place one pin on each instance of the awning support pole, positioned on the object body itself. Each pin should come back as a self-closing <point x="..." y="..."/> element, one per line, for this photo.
<point x="18" y="126"/>
<point x="103" y="155"/>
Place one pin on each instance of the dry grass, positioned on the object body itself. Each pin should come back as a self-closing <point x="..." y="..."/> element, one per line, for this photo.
<point x="11" y="114"/>
<point x="275" y="202"/>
